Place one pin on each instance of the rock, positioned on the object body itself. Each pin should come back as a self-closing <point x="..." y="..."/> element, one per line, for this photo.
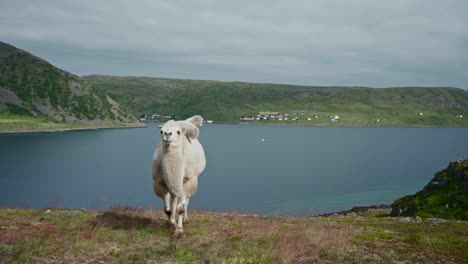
<point x="9" y="228"/>
<point x="359" y="211"/>
<point x="418" y="219"/>
<point x="74" y="212"/>
<point x="48" y="211"/>
<point x="404" y="219"/>
<point x="403" y="209"/>
<point x="435" y="220"/>
<point x="435" y="185"/>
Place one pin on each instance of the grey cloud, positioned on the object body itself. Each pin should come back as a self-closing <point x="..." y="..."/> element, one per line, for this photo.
<point x="326" y="42"/>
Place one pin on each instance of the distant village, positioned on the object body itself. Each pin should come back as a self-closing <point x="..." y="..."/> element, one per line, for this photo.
<point x="161" y="117"/>
<point x="297" y="115"/>
<point x="155" y="117"/>
<point x="272" y="116"/>
<point x="292" y="116"/>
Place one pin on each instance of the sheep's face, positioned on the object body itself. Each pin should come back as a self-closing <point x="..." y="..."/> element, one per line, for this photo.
<point x="175" y="131"/>
<point x="170" y="132"/>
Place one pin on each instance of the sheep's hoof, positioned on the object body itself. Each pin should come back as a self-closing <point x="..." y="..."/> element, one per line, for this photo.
<point x="185" y="221"/>
<point x="178" y="233"/>
<point x="173" y="224"/>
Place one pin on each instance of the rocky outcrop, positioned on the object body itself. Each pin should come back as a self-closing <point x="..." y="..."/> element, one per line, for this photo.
<point x="361" y="210"/>
<point x="9" y="97"/>
<point x="31" y="86"/>
<point x="445" y="196"/>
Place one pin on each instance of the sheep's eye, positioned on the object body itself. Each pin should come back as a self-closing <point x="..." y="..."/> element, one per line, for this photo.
<point x="161" y="132"/>
<point x="178" y="132"/>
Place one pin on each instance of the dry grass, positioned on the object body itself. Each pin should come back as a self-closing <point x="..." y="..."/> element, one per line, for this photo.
<point x="130" y="235"/>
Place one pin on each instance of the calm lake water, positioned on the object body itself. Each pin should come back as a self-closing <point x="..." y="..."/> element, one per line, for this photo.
<point x="294" y="171"/>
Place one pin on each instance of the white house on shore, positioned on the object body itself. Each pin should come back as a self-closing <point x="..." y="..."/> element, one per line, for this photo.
<point x="247" y="118"/>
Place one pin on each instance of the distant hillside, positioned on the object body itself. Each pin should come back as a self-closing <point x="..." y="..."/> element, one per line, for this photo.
<point x="446" y="195"/>
<point x="30" y="86"/>
<point x="227" y="101"/>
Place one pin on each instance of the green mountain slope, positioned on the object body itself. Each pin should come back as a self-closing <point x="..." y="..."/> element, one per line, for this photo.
<point x="446" y="195"/>
<point x="30" y="86"/>
<point x="227" y="101"/>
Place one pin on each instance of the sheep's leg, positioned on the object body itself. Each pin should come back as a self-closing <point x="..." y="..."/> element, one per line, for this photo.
<point x="186" y="210"/>
<point x="182" y="204"/>
<point x="179" y="229"/>
<point x="180" y="215"/>
<point x="173" y="212"/>
<point x="167" y="205"/>
<point x="190" y="187"/>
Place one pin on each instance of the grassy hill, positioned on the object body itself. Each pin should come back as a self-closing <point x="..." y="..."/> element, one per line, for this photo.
<point x="126" y="235"/>
<point x="227" y="101"/>
<point x="31" y="87"/>
<point x="446" y="195"/>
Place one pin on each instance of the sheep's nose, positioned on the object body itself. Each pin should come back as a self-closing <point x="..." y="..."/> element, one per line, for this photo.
<point x="168" y="134"/>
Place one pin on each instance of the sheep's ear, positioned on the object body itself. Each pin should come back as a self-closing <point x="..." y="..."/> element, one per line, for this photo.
<point x="189" y="129"/>
<point x="197" y="120"/>
<point x="160" y="126"/>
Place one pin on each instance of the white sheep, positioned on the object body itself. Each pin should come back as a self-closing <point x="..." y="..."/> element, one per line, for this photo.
<point x="177" y="162"/>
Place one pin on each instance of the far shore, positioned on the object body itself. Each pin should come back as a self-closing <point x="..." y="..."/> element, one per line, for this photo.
<point x="145" y="124"/>
<point x="344" y="125"/>
<point x="52" y="130"/>
<point x="316" y="125"/>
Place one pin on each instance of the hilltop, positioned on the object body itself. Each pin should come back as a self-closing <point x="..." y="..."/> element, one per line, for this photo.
<point x="33" y="93"/>
<point x="227" y="101"/>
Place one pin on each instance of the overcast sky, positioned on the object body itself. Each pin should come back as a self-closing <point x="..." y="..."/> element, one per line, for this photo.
<point x="326" y="42"/>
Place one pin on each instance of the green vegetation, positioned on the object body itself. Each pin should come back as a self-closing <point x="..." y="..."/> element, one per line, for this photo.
<point x="129" y="235"/>
<point x="22" y="123"/>
<point x="445" y="196"/>
<point x="227" y="101"/>
<point x="30" y="86"/>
